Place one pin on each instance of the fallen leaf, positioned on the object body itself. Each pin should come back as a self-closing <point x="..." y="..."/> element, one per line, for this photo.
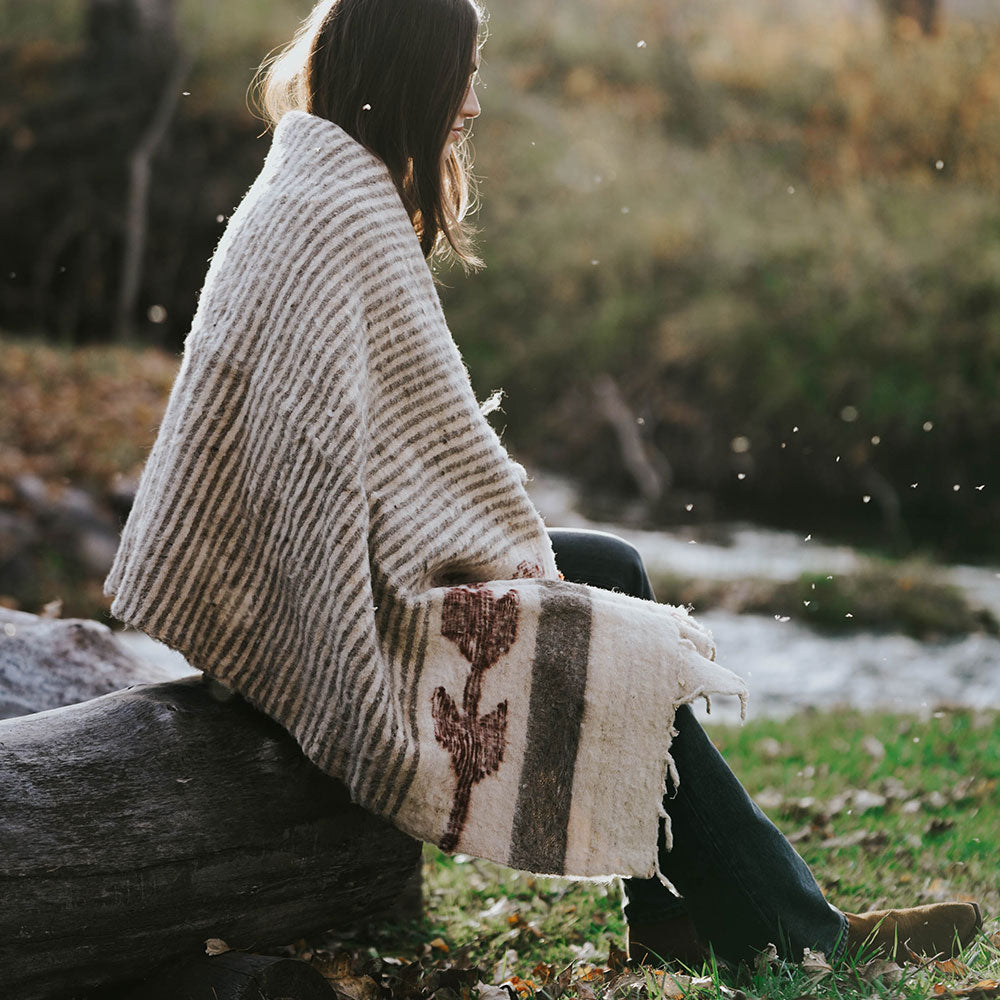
<point x="880" y="968"/>
<point x="951" y="967"/>
<point x="459" y="980"/>
<point x="355" y="987"/>
<point x="937" y="890"/>
<point x="488" y="992"/>
<point x="543" y="973"/>
<point x="521" y="986"/>
<point x="870" y="840"/>
<point x="336" y="966"/>
<point x="862" y="800"/>
<point x="765" y="959"/>
<point x="815" y="965"/>
<point x="627" y="982"/>
<point x="591" y="973"/>
<point x="439" y="944"/>
<point x="52" y="610"/>
<point x="500" y="907"/>
<point x="770" y="799"/>
<point x="985" y="989"/>
<point x="938" y="825"/>
<point x="673" y="986"/>
<point x="216" y="946"/>
<point x="708" y="983"/>
<point x="617" y="958"/>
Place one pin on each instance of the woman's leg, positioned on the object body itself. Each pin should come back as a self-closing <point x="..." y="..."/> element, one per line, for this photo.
<point x="741" y="882"/>
<point x="742" y="885"/>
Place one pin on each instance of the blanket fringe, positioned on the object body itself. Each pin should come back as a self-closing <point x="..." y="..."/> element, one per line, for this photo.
<point x="670" y="774"/>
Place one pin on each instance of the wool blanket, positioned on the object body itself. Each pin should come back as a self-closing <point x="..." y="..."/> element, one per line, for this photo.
<point x="328" y="524"/>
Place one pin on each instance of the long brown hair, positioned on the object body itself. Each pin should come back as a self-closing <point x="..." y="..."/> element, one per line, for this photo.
<point x="393" y="74"/>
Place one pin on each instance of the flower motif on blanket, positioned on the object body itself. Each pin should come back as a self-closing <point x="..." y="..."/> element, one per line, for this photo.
<point x="484" y="628"/>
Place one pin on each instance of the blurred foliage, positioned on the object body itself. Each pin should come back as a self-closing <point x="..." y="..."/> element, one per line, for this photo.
<point x="86" y="417"/>
<point x="776" y="226"/>
<point x="75" y="427"/>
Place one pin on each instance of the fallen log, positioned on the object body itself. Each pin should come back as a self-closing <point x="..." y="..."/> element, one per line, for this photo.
<point x="137" y="825"/>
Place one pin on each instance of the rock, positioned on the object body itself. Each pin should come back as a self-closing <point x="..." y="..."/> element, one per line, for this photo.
<point x="18" y="538"/>
<point x="70" y="520"/>
<point x="47" y="664"/>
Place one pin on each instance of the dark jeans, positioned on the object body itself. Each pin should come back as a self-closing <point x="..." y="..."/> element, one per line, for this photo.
<point x="740" y="881"/>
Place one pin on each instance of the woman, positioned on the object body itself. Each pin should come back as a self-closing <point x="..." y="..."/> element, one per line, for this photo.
<point x="328" y="525"/>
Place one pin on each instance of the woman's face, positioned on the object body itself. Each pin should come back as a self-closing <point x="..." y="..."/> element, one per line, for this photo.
<point x="470" y="109"/>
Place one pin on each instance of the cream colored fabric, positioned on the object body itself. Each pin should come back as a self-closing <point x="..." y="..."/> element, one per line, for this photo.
<point x="328" y="524"/>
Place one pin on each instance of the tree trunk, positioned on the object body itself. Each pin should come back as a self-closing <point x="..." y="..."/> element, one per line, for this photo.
<point x="138" y="825"/>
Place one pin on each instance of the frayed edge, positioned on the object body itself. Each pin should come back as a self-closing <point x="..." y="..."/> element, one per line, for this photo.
<point x="671" y="774"/>
<point x="669" y="841"/>
<point x="492" y="403"/>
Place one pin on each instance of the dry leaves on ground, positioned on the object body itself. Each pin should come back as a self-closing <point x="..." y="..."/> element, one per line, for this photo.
<point x="985" y="989"/>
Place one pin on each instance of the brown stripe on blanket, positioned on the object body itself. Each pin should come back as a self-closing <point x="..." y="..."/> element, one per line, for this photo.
<point x="558" y="687"/>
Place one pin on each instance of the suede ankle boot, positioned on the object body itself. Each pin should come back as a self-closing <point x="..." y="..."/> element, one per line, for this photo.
<point x="674" y="939"/>
<point x="938" y="929"/>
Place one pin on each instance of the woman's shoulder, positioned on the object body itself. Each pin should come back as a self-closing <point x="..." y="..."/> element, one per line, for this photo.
<point x="316" y="158"/>
<point x="323" y="215"/>
<point x="317" y="177"/>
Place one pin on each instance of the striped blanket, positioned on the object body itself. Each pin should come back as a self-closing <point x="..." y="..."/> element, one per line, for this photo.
<point x="328" y="525"/>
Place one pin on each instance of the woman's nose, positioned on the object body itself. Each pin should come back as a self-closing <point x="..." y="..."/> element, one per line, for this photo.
<point x="470" y="106"/>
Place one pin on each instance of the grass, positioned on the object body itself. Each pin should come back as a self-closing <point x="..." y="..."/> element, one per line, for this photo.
<point x="888" y="810"/>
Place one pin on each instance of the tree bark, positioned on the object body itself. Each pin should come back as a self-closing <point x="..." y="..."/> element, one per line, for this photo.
<point x="138" y="825"/>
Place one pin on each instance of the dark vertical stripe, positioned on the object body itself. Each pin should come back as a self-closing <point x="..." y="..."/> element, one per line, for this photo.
<point x="555" y="714"/>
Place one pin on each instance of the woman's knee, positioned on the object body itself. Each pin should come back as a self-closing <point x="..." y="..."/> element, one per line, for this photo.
<point x="601" y="560"/>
